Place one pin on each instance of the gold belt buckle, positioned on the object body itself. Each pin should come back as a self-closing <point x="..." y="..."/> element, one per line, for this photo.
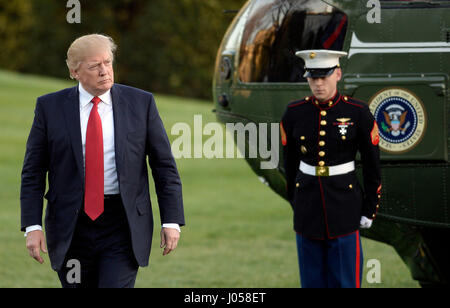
<point x="322" y="171"/>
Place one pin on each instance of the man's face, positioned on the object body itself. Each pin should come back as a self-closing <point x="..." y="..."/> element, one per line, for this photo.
<point x="95" y="73"/>
<point x="324" y="88"/>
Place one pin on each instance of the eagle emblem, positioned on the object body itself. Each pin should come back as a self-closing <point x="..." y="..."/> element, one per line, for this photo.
<point x="401" y="120"/>
<point x="395" y="117"/>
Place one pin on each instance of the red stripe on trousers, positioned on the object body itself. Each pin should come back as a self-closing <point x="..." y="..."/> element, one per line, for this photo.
<point x="358" y="249"/>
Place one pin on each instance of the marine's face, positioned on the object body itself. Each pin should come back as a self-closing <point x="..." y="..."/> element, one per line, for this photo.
<point x="95" y="73"/>
<point x="324" y="88"/>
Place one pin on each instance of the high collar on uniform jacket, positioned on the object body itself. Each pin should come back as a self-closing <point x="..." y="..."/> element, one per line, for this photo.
<point x="330" y="103"/>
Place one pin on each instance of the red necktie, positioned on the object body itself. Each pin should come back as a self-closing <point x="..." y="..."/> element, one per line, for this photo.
<point x="94" y="185"/>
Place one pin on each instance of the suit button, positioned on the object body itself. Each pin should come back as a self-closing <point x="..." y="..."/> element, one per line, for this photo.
<point x="322" y="143"/>
<point x="322" y="133"/>
<point x="321" y="153"/>
<point x="321" y="163"/>
<point x="323" y="113"/>
<point x="323" y="122"/>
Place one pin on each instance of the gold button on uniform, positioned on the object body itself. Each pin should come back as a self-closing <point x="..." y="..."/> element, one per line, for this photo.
<point x="323" y="122"/>
<point x="321" y="153"/>
<point x="323" y="113"/>
<point x="321" y="163"/>
<point x="350" y="186"/>
<point x="297" y="185"/>
<point x="343" y="137"/>
<point x="322" y="133"/>
<point x="303" y="149"/>
<point x="302" y="138"/>
<point x="322" y="143"/>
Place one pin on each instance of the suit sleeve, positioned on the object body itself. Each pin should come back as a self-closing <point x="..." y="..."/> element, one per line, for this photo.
<point x="370" y="157"/>
<point x="291" y="156"/>
<point x="35" y="167"/>
<point x="164" y="170"/>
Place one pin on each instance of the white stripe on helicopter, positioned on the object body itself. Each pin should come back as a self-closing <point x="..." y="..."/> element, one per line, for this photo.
<point x="356" y="46"/>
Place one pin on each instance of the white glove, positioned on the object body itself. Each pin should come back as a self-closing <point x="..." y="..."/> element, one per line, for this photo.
<point x="365" y="223"/>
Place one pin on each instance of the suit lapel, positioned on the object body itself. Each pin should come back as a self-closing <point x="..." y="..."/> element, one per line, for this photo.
<point x="120" y="111"/>
<point x="72" y="116"/>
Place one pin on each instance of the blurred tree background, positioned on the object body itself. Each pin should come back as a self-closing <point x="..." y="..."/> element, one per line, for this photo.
<point x="163" y="46"/>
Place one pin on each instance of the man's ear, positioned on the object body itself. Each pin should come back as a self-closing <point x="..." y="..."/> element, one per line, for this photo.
<point x="338" y="73"/>
<point x="73" y="74"/>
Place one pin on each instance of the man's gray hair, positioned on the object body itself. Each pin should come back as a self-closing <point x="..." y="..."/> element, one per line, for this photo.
<point x="82" y="45"/>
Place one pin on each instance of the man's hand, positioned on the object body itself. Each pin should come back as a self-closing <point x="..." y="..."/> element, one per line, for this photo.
<point x="35" y="244"/>
<point x="169" y="239"/>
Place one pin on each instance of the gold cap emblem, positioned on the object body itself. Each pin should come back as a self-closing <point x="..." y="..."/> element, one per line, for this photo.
<point x="312" y="55"/>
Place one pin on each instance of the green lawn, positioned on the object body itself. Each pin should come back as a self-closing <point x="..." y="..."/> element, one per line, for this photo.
<point x="238" y="232"/>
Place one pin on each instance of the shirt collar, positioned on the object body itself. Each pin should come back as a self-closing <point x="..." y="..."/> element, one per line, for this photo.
<point x="86" y="97"/>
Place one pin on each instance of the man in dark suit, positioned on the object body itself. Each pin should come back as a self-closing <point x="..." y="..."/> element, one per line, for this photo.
<point x="321" y="135"/>
<point x="93" y="141"/>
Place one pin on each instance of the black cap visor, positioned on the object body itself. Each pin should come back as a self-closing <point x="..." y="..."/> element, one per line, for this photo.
<point x="318" y="72"/>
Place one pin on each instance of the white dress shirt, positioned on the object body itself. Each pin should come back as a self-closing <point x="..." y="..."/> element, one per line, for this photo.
<point x="105" y="110"/>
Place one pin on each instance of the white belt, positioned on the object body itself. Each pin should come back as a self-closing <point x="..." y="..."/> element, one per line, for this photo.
<point x="327" y="170"/>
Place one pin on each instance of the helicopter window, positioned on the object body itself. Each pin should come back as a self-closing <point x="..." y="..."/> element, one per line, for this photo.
<point x="276" y="29"/>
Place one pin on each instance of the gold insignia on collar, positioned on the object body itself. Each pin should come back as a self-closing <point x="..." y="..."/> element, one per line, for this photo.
<point x="343" y="120"/>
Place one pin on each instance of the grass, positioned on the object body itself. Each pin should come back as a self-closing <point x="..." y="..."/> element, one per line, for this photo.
<point x="238" y="232"/>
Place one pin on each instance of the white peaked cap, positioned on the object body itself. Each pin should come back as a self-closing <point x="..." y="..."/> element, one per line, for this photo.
<point x="320" y="58"/>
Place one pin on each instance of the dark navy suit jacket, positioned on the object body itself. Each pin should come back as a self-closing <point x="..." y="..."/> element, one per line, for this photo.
<point x="54" y="148"/>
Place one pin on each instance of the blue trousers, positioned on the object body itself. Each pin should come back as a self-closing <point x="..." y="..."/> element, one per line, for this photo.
<point x="330" y="263"/>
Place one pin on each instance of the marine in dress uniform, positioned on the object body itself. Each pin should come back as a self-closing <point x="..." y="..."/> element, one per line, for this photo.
<point x="321" y="138"/>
